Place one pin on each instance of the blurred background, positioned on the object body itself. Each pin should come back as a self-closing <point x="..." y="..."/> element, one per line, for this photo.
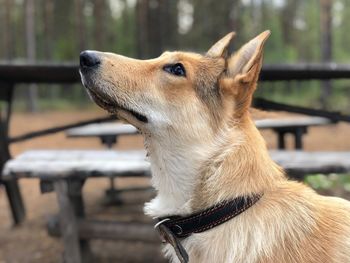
<point x="56" y="31"/>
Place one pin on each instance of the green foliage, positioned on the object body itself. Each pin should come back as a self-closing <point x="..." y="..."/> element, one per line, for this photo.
<point x="125" y="27"/>
<point x="145" y="28"/>
<point x="324" y="182"/>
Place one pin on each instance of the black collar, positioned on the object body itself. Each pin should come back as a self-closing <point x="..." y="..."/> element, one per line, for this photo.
<point x="174" y="227"/>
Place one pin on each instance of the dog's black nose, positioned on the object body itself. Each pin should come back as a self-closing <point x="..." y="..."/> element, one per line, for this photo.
<point x="89" y="59"/>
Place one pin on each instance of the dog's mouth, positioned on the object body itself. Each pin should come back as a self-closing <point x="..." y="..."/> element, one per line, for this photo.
<point x="114" y="107"/>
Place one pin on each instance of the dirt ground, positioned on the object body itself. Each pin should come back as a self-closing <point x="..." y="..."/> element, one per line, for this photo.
<point x="30" y="242"/>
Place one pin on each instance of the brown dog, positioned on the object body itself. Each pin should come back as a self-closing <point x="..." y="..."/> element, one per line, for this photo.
<point x="205" y="149"/>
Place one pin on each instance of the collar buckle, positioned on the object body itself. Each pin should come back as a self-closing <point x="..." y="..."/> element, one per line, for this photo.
<point x="167" y="236"/>
<point x="160" y="228"/>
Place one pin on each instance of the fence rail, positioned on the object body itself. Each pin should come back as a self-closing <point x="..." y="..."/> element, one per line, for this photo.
<point x="68" y="72"/>
<point x="39" y="73"/>
<point x="285" y="72"/>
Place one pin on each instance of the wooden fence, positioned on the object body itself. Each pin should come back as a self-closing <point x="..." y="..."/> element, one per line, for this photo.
<point x="68" y="72"/>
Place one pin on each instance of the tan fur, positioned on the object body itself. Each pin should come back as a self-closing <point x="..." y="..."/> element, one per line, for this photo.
<point x="204" y="148"/>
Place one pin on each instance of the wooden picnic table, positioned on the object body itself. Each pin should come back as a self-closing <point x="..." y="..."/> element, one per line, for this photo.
<point x="107" y="132"/>
<point x="65" y="171"/>
<point x="83" y="164"/>
<point x="297" y="164"/>
<point x="297" y="126"/>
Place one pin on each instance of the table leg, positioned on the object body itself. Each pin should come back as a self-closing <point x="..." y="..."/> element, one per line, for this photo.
<point x="281" y="140"/>
<point x="112" y="183"/>
<point x="298" y="136"/>
<point x="109" y="140"/>
<point x="15" y="200"/>
<point x="71" y="208"/>
<point x="113" y="194"/>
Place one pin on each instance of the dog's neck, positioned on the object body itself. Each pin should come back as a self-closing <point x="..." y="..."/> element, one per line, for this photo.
<point x="174" y="166"/>
<point x="192" y="175"/>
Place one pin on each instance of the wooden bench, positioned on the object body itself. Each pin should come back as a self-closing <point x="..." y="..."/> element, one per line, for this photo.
<point x="299" y="163"/>
<point x="50" y="165"/>
<point x="108" y="134"/>
<point x="65" y="171"/>
<point x="77" y="164"/>
<point x="295" y="126"/>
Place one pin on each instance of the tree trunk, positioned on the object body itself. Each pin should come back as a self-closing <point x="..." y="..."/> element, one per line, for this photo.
<point x="211" y="21"/>
<point x="169" y="29"/>
<point x="31" y="52"/>
<point x="48" y="16"/>
<point x="80" y="24"/>
<point x="287" y="18"/>
<point x="99" y="18"/>
<point x="154" y="28"/>
<point x="142" y="28"/>
<point x="8" y="32"/>
<point x="233" y="21"/>
<point x="256" y="15"/>
<point x="326" y="45"/>
<point x="48" y="9"/>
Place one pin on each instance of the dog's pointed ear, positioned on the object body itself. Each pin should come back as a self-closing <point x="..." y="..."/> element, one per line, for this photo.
<point x="243" y="70"/>
<point x="219" y="49"/>
<point x="248" y="57"/>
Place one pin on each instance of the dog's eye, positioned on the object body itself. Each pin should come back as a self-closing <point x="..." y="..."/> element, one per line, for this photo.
<point x="176" y="69"/>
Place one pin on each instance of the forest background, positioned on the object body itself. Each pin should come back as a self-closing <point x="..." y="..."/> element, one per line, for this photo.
<point x="55" y="31"/>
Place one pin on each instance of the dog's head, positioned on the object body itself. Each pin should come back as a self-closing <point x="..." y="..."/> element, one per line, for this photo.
<point x="185" y="92"/>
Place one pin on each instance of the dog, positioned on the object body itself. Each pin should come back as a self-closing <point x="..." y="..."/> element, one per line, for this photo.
<point x="204" y="149"/>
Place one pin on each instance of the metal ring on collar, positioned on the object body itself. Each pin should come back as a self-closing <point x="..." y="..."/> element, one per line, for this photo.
<point x="161" y="222"/>
<point x="179" y="228"/>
